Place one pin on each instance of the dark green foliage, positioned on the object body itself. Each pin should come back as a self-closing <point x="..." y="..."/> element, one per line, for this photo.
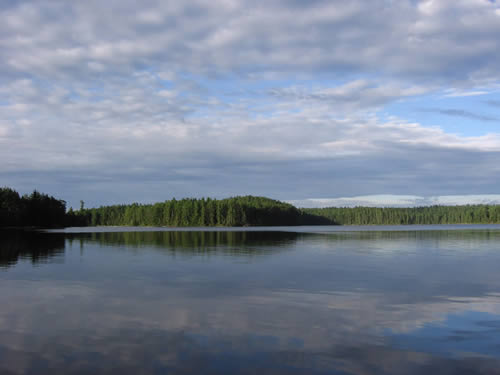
<point x="469" y="214"/>
<point x="36" y="209"/>
<point x="230" y="212"/>
<point x="41" y="210"/>
<point x="11" y="207"/>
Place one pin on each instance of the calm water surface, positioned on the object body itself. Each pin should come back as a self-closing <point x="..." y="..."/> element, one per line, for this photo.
<point x="310" y="300"/>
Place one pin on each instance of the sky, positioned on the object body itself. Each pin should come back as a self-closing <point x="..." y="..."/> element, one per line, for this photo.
<point x="383" y="102"/>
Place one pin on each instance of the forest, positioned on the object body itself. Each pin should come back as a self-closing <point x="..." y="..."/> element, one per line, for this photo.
<point x="41" y="210"/>
<point x="189" y="212"/>
<point x="31" y="210"/>
<point x="467" y="214"/>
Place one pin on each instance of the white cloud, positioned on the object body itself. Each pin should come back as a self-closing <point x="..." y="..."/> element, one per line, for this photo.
<point x="455" y="93"/>
<point x="387" y="200"/>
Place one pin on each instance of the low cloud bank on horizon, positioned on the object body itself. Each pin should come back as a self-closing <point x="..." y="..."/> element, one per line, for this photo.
<point x="397" y="201"/>
<point x="120" y="101"/>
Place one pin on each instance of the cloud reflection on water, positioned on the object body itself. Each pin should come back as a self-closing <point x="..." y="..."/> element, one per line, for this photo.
<point x="156" y="312"/>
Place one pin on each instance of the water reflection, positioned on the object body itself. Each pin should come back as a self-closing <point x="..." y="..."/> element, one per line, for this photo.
<point x="230" y="242"/>
<point x="32" y="246"/>
<point x="379" y="303"/>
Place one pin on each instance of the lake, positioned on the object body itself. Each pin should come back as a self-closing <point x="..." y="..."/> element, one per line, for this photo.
<point x="288" y="300"/>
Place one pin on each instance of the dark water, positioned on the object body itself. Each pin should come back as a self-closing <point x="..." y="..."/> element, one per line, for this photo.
<point x="229" y="302"/>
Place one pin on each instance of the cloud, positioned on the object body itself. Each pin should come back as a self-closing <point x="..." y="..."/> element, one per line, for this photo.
<point x="462" y="113"/>
<point x="398" y="201"/>
<point x="404" y="38"/>
<point x="182" y="139"/>
<point x="494" y="103"/>
<point x="221" y="98"/>
<point x="357" y="95"/>
<point x="459" y="93"/>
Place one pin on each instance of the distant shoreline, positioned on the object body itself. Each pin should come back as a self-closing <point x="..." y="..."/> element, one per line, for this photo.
<point x="39" y="210"/>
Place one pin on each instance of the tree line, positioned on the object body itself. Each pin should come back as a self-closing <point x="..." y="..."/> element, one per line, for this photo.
<point x="189" y="212"/>
<point x="465" y="214"/>
<point x="41" y="210"/>
<point x="35" y="209"/>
